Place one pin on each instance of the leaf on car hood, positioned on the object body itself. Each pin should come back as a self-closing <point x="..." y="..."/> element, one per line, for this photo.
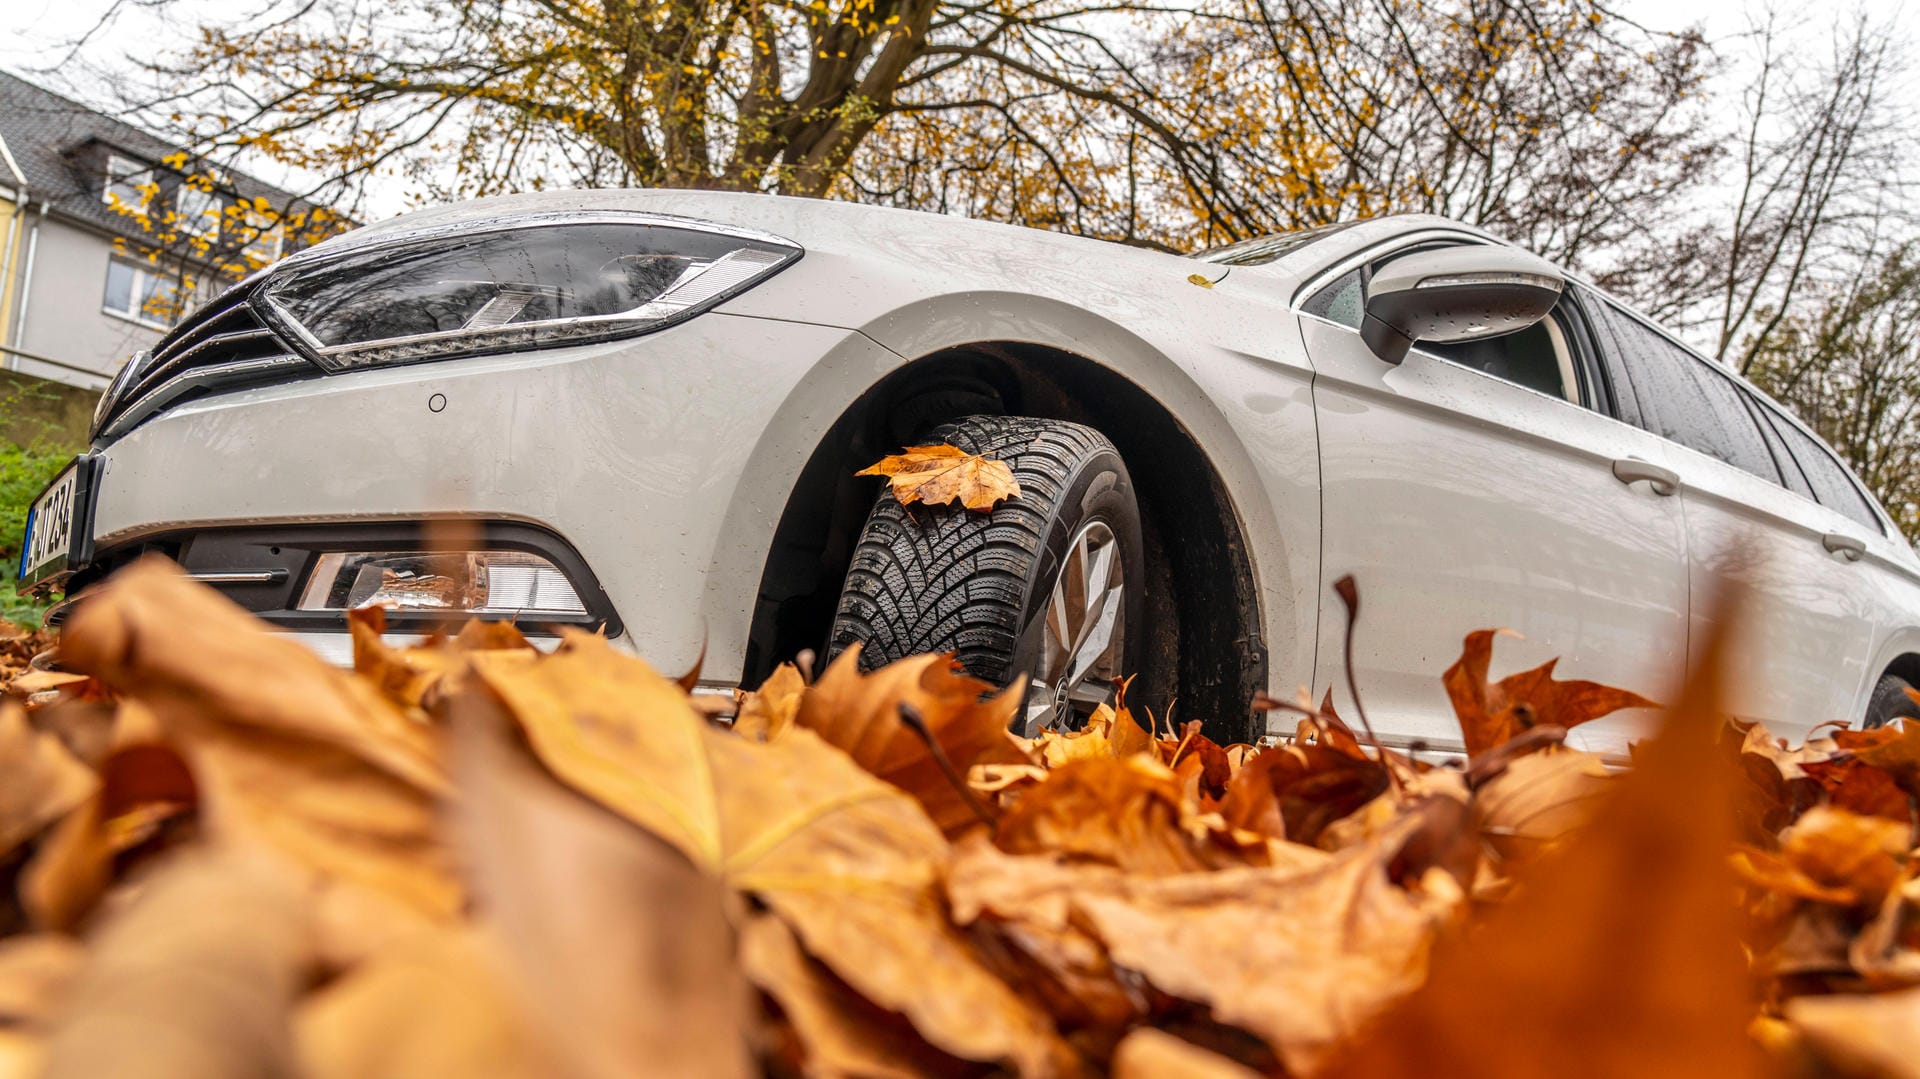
<point x="941" y="475"/>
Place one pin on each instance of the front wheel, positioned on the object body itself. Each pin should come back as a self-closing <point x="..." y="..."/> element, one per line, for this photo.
<point x="1047" y="587"/>
<point x="1890" y="701"/>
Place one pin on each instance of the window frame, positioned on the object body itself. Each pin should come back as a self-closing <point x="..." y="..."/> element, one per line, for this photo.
<point x="1761" y="409"/>
<point x="113" y="177"/>
<point x="1592" y="382"/>
<point x="140" y="270"/>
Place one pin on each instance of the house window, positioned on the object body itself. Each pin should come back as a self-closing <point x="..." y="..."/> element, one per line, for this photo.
<point x="149" y="295"/>
<point x="260" y="236"/>
<point x="125" y="178"/>
<point x="199" y="211"/>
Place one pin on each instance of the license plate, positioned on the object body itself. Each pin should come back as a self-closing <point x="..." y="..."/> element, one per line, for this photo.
<point x="59" y="533"/>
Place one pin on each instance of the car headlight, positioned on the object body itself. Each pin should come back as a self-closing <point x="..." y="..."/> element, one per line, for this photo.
<point x="527" y="283"/>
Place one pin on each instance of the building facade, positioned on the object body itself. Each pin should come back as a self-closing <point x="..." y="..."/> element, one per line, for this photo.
<point x="108" y="235"/>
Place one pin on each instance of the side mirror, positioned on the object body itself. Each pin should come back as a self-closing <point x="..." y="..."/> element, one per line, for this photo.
<point x="1456" y="294"/>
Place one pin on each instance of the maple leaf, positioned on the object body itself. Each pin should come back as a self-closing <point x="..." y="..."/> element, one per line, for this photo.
<point x="859" y="713"/>
<point x="1490" y="714"/>
<point x="941" y="475"/>
<point x="1129" y="812"/>
<point x="794" y="822"/>
<point x="1347" y="938"/>
<point x="1295" y="791"/>
<point x="287" y="749"/>
<point x="1525" y="994"/>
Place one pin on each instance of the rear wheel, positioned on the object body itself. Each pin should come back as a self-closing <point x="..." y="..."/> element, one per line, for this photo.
<point x="1890" y="701"/>
<point x="1047" y="587"/>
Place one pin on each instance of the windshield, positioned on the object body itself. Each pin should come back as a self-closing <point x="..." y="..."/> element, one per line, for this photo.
<point x="1264" y="249"/>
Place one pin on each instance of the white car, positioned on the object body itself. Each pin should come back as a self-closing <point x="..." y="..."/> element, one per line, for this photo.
<point x="644" y="410"/>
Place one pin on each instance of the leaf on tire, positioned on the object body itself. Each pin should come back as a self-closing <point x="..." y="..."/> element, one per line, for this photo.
<point x="941" y="475"/>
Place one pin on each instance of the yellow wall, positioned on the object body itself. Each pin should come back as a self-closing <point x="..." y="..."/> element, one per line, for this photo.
<point x="12" y="263"/>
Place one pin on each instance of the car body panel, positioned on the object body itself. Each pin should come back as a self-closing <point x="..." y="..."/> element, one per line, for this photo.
<point x="630" y="453"/>
<point x="1461" y="502"/>
<point x="666" y="460"/>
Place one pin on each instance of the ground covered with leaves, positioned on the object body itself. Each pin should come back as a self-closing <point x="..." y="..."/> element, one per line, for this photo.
<point x="220" y="857"/>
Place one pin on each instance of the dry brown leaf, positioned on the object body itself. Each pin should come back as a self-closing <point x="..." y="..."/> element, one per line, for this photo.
<point x="438" y="1005"/>
<point x="1490" y="714"/>
<point x="767" y="712"/>
<point x="1861" y="1035"/>
<point x="1540" y="799"/>
<point x="849" y="862"/>
<point x="1571" y="977"/>
<point x="1294" y="791"/>
<point x="143" y="804"/>
<point x="940" y="475"/>
<point x="642" y="955"/>
<point x="859" y="713"/>
<point x="1151" y="1054"/>
<point x="1300" y="956"/>
<point x="619" y="732"/>
<point x="1858" y="787"/>
<point x="43" y="782"/>
<point x="837" y="1031"/>
<point x="36" y="972"/>
<point x="194" y="980"/>
<point x="284" y="748"/>
<point x="1860" y="855"/>
<point x="41" y="681"/>
<point x="187" y="651"/>
<point x="1131" y="813"/>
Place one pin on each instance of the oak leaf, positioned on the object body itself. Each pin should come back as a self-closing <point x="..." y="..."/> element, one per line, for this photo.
<point x="1492" y="713"/>
<point x="941" y="475"/>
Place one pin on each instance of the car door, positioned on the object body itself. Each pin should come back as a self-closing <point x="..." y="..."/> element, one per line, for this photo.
<point x="1807" y="608"/>
<point x="1479" y="490"/>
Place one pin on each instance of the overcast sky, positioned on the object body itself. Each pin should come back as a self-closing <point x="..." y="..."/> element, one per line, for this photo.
<point x="40" y="31"/>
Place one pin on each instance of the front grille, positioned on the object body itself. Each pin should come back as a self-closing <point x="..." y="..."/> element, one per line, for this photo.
<point x="219" y="348"/>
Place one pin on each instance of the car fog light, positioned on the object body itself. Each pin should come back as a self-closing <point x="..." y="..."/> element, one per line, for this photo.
<point x="501" y="583"/>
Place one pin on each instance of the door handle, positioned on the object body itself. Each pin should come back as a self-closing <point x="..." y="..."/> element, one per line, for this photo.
<point x="1843" y="545"/>
<point x="1663" y="481"/>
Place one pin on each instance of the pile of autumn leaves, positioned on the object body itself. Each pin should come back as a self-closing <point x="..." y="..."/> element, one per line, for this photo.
<point x="221" y="858"/>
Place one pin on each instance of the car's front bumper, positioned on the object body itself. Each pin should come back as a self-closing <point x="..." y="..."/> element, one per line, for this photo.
<point x="664" y="461"/>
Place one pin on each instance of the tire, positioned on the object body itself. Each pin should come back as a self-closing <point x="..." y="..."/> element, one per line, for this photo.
<point x="979" y="585"/>
<point x="1890" y="701"/>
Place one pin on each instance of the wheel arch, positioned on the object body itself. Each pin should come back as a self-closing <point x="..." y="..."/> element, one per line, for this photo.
<point x="1206" y="654"/>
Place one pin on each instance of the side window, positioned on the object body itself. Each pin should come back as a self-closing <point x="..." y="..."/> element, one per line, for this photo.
<point x="1831" y="484"/>
<point x="1537" y="357"/>
<point x="1790" y="472"/>
<point x="1339" y="302"/>
<point x="1687" y="401"/>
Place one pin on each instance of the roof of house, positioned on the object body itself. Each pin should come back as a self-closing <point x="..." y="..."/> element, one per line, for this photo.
<point x="56" y="141"/>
